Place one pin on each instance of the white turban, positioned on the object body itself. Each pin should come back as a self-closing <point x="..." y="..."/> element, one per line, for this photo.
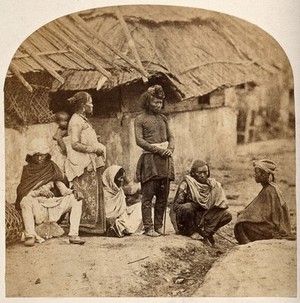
<point x="266" y="165"/>
<point x="38" y="145"/>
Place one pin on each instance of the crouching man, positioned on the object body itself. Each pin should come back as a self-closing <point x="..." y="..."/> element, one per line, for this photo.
<point x="200" y="204"/>
<point x="40" y="178"/>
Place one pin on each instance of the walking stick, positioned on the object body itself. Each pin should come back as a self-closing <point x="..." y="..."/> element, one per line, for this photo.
<point x="167" y="194"/>
<point x="217" y="233"/>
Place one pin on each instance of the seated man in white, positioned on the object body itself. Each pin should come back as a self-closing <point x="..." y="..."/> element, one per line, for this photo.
<point x="36" y="195"/>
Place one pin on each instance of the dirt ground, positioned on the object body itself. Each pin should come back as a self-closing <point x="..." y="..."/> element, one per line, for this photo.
<point x="173" y="265"/>
<point x="267" y="261"/>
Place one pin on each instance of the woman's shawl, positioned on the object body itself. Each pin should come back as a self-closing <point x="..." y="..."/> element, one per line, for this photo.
<point x="36" y="175"/>
<point x="114" y="197"/>
<point x="268" y="207"/>
<point x="207" y="195"/>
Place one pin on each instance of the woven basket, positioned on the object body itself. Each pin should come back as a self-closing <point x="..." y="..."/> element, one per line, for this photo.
<point x="13" y="224"/>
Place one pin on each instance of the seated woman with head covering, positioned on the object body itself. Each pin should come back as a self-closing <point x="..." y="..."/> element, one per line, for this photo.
<point x="121" y="219"/>
<point x="267" y="216"/>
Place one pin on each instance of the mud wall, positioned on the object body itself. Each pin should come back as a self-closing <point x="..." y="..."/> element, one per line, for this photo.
<point x="206" y="134"/>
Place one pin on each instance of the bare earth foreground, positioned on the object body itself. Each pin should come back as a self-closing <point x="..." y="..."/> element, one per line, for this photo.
<point x="263" y="268"/>
<point x="173" y="265"/>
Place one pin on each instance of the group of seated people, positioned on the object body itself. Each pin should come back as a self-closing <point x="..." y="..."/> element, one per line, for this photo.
<point x="43" y="198"/>
<point x="199" y="208"/>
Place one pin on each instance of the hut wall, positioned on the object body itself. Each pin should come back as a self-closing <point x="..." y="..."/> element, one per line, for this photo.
<point x="207" y="134"/>
<point x="217" y="98"/>
<point x="117" y="134"/>
<point x="230" y="97"/>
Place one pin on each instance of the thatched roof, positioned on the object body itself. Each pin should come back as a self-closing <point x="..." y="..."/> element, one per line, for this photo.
<point x="198" y="51"/>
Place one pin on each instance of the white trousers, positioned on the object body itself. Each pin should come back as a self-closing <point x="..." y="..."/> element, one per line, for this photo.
<point x="33" y="212"/>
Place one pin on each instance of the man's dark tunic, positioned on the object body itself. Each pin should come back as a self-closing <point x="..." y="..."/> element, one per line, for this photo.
<point x="153" y="170"/>
<point x="153" y="129"/>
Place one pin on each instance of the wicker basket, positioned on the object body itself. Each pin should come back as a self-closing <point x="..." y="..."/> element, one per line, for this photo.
<point x="13" y="224"/>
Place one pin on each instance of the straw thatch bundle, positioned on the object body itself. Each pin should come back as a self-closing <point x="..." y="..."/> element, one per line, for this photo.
<point x="13" y="224"/>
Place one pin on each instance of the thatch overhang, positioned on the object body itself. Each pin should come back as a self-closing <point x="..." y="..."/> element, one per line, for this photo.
<point x="199" y="51"/>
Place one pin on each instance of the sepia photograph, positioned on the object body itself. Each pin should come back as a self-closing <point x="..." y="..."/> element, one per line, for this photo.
<point x="149" y="151"/>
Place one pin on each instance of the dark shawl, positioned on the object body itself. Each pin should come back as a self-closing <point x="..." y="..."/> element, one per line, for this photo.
<point x="36" y="175"/>
<point x="268" y="207"/>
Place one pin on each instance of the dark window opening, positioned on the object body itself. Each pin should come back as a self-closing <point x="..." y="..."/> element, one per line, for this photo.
<point x="204" y="100"/>
<point x="106" y="103"/>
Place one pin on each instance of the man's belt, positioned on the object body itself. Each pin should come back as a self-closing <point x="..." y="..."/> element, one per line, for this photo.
<point x="163" y="145"/>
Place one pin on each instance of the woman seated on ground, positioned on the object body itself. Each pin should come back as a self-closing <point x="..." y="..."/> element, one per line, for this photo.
<point x="121" y="219"/>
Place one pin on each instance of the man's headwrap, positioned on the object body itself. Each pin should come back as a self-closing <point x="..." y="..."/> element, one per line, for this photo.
<point x="38" y="145"/>
<point x="37" y="174"/>
<point x="155" y="91"/>
<point x="266" y="165"/>
<point x="199" y="163"/>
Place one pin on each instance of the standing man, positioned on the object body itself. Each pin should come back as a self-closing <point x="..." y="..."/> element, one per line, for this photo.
<point x="155" y="167"/>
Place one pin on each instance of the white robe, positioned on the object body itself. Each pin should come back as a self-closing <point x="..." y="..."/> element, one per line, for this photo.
<point x="128" y="218"/>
